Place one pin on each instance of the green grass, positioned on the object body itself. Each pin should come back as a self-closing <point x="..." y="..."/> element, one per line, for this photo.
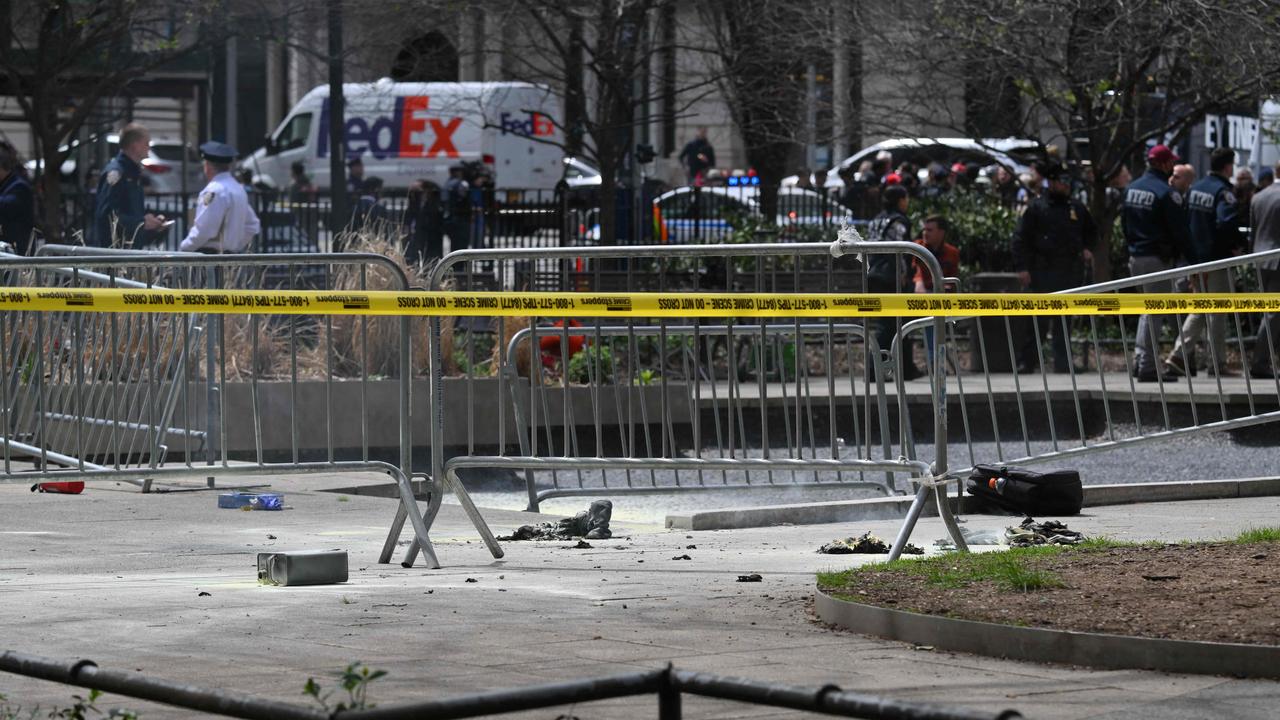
<point x="1257" y="535"/>
<point x="1011" y="570"/>
<point x="1101" y="543"/>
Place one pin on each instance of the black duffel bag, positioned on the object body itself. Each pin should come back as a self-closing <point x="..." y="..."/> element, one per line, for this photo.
<point x="1058" y="492"/>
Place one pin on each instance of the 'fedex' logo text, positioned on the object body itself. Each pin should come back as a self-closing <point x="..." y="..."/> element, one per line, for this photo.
<point x="408" y="132"/>
<point x="532" y="125"/>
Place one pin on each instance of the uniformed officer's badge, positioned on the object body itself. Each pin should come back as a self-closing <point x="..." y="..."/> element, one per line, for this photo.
<point x="1177" y="196"/>
<point x="113" y="177"/>
<point x="206" y="198"/>
<point x="1229" y="198"/>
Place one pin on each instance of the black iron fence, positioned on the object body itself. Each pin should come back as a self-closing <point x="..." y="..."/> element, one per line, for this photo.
<point x="668" y="684"/>
<point x="512" y="218"/>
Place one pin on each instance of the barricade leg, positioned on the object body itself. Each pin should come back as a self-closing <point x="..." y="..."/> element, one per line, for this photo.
<point x="428" y="519"/>
<point x="909" y="523"/>
<point x="409" y="506"/>
<point x="477" y="520"/>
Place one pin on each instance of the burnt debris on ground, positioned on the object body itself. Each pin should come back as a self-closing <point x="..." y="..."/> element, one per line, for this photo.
<point x="1050" y="532"/>
<point x="864" y="544"/>
<point x="593" y="524"/>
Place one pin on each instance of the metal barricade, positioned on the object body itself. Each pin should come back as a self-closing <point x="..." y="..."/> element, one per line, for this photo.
<point x="1095" y="403"/>
<point x="68" y="405"/>
<point x="724" y="372"/>
<point x="659" y="405"/>
<point x="159" y="395"/>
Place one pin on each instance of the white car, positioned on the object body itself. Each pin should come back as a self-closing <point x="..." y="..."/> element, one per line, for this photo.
<point x="687" y="214"/>
<point x="161" y="169"/>
<point x="578" y="174"/>
<point x="1016" y="153"/>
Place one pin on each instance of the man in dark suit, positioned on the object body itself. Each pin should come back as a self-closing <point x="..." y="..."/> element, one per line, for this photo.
<point x="1265" y="214"/>
<point x="17" y="204"/>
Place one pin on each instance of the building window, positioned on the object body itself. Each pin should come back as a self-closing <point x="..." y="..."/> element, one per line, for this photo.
<point x="426" y="58"/>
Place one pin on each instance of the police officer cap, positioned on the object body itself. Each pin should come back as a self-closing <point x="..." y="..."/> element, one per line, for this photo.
<point x="215" y="151"/>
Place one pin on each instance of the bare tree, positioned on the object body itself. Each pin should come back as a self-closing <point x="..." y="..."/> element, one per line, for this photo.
<point x="1103" y="76"/>
<point x="763" y="48"/>
<point x="67" y="57"/>
<point x="598" y="55"/>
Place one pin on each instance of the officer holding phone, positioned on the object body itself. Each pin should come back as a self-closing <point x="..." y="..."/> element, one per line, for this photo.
<point x="225" y="223"/>
<point x="119" y="218"/>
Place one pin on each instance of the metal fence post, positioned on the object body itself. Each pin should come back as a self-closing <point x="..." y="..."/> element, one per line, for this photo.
<point x="669" y="700"/>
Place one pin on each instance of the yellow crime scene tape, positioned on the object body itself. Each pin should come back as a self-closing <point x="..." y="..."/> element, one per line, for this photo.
<point x="622" y="305"/>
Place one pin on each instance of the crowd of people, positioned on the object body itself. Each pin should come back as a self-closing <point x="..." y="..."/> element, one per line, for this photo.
<point x="1169" y="219"/>
<point x="862" y="185"/>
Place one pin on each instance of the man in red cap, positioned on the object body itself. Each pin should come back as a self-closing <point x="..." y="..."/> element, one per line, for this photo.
<point x="1155" y="228"/>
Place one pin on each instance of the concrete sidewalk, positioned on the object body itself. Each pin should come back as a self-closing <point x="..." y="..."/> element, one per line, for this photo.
<point x="115" y="576"/>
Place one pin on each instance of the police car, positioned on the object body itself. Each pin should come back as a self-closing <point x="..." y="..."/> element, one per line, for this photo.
<point x="709" y="214"/>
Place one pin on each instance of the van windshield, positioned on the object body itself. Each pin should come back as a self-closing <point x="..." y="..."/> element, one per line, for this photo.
<point x="295" y="132"/>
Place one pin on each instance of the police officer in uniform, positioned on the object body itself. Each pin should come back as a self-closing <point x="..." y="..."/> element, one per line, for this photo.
<point x="119" y="218"/>
<point x="1051" y="246"/>
<point x="456" y="196"/>
<point x="225" y="223"/>
<point x="1155" y="229"/>
<point x="1215" y="235"/>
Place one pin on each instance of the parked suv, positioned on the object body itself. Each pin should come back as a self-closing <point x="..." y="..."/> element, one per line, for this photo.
<point x="1019" y="154"/>
<point x="707" y="214"/>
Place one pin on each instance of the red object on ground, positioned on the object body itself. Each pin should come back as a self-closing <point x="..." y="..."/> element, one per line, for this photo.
<point x="62" y="487"/>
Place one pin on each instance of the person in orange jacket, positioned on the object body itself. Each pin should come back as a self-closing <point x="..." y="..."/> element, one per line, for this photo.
<point x="934" y="237"/>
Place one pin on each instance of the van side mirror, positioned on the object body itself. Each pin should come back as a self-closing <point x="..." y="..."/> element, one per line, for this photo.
<point x="269" y="145"/>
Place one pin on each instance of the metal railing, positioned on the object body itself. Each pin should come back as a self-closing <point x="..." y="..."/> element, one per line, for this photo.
<point x="692" y="425"/>
<point x="718" y="371"/>
<point x="305" y="223"/>
<point x="649" y="405"/>
<point x="668" y="684"/>
<point x="159" y="396"/>
<point x="68" y="405"/>
<point x="507" y="218"/>
<point x="1094" y="402"/>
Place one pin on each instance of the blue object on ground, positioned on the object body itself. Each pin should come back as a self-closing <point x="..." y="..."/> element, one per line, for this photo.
<point x="253" y="501"/>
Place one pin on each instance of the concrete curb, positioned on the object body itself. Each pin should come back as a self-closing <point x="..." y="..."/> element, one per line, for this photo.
<point x="1055" y="646"/>
<point x="896" y="507"/>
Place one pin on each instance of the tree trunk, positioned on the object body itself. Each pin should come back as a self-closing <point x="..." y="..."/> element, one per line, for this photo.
<point x="49" y="198"/>
<point x="608" y="203"/>
<point x="1105" y="218"/>
<point x="769" y="159"/>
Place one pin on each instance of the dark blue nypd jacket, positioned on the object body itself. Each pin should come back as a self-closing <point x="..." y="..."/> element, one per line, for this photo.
<point x="1154" y="219"/>
<point x="119" y="205"/>
<point x="1215" y="221"/>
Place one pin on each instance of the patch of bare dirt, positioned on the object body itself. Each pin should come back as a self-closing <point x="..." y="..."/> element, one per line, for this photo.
<point x="1214" y="592"/>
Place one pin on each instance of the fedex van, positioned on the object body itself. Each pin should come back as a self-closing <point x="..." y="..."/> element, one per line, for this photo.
<point x="409" y="131"/>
